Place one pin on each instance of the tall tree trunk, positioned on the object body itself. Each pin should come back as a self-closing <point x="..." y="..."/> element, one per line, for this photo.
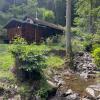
<point x="68" y="33"/>
<point x="91" y="18"/>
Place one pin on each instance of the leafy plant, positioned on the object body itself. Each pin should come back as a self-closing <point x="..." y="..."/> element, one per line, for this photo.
<point x="96" y="41"/>
<point x="30" y="56"/>
<point x="96" y="55"/>
<point x="18" y="40"/>
<point x="43" y="90"/>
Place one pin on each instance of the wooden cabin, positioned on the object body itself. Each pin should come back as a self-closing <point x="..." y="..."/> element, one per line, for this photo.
<point x="32" y="29"/>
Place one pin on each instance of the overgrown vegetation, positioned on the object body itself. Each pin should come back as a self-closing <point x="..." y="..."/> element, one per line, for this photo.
<point x="96" y="55"/>
<point x="33" y="57"/>
<point x="30" y="56"/>
<point x="32" y="60"/>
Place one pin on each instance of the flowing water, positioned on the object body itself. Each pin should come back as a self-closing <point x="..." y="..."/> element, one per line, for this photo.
<point x="84" y="63"/>
<point x="77" y="84"/>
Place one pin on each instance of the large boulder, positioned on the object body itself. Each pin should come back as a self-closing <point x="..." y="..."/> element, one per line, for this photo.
<point x="94" y="90"/>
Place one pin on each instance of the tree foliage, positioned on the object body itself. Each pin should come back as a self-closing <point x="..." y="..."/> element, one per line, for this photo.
<point x="20" y="11"/>
<point x="88" y="13"/>
<point x="96" y="55"/>
<point x="31" y="57"/>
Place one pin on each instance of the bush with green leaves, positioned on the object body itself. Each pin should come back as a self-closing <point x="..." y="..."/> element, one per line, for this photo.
<point x="96" y="55"/>
<point x="96" y="41"/>
<point x="18" y="40"/>
<point x="30" y="56"/>
<point x="77" y="45"/>
<point x="82" y="41"/>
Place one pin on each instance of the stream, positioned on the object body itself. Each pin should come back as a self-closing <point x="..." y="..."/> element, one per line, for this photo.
<point x="84" y="84"/>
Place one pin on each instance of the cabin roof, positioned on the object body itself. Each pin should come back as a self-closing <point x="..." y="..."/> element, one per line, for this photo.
<point x="35" y="23"/>
<point x="45" y="23"/>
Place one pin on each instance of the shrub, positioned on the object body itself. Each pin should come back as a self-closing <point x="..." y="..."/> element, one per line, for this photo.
<point x="30" y="56"/>
<point x="96" y="45"/>
<point x="96" y="55"/>
<point x="81" y="41"/>
<point x="77" y="45"/>
<point x="96" y="41"/>
<point x="29" y="59"/>
<point x="18" y="40"/>
<point x="43" y="89"/>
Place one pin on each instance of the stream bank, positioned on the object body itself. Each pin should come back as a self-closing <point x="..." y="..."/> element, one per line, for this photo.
<point x="84" y="84"/>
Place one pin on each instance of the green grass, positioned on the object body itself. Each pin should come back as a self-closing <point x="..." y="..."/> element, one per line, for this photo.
<point x="54" y="61"/>
<point x="6" y="75"/>
<point x="3" y="48"/>
<point x="6" y="62"/>
<point x="56" y="47"/>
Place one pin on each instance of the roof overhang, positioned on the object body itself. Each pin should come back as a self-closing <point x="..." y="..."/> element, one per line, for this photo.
<point x="39" y="23"/>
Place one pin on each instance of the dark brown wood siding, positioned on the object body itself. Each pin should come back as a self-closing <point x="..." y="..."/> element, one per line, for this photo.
<point x="31" y="34"/>
<point x="12" y="32"/>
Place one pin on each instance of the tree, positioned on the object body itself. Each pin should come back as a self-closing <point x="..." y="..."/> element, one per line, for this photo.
<point x="57" y="6"/>
<point x="45" y="14"/>
<point x="68" y="32"/>
<point x="88" y="12"/>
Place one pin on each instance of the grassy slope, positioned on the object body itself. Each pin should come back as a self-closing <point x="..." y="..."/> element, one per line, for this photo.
<point x="54" y="62"/>
<point x="6" y="61"/>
